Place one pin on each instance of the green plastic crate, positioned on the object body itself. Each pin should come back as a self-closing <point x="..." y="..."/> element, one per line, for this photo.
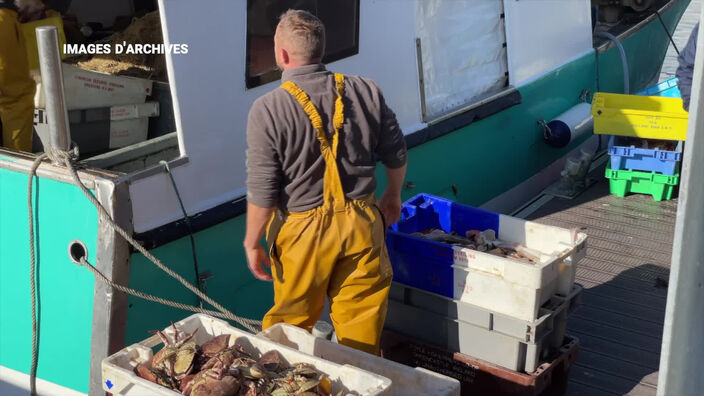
<point x="622" y="182"/>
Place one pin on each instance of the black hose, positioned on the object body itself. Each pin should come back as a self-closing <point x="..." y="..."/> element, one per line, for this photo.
<point x="187" y="220"/>
<point x="655" y="11"/>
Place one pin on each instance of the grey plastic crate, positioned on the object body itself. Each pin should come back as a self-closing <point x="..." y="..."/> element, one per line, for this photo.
<point x="90" y="129"/>
<point x="101" y="129"/>
<point x="508" y="342"/>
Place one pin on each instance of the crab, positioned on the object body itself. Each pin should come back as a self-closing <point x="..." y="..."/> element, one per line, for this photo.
<point x="215" y="346"/>
<point x="301" y="379"/>
<point x="218" y="369"/>
<point x="226" y="386"/>
<point x="225" y="357"/>
<point x="249" y="368"/>
<point x="177" y="357"/>
<point x="271" y="360"/>
<point x="144" y="370"/>
<point x="210" y="382"/>
<point x="282" y="387"/>
<point x="251" y="388"/>
<point x="299" y="386"/>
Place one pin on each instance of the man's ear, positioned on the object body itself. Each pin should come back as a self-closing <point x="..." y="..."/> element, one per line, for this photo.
<point x="285" y="57"/>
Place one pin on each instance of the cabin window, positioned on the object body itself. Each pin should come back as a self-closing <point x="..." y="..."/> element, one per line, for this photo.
<point x="341" y="19"/>
<point x="461" y="52"/>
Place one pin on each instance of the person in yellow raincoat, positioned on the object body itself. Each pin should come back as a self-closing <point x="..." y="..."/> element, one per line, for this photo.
<point x="16" y="86"/>
<point x="313" y="145"/>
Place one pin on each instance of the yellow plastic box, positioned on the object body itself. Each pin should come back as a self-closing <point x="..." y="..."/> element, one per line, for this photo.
<point x="28" y="31"/>
<point x="648" y="117"/>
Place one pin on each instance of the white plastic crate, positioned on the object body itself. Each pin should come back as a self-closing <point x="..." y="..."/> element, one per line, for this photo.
<point x="512" y="287"/>
<point x="500" y="284"/>
<point x="119" y="377"/>
<point x="87" y="89"/>
<point x="405" y="380"/>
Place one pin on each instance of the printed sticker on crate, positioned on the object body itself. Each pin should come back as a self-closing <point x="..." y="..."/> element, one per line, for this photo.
<point x="463" y="256"/>
<point x="462" y="287"/>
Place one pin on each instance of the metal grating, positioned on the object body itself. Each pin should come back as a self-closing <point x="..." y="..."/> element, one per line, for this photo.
<point x="628" y="256"/>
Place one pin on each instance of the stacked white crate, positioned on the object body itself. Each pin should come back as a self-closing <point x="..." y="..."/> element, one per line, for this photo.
<point x="498" y="309"/>
<point x="126" y="117"/>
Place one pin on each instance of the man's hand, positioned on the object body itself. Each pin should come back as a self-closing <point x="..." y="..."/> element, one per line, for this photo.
<point x="390" y="205"/>
<point x="255" y="258"/>
<point x="257" y="218"/>
<point x="390" y="202"/>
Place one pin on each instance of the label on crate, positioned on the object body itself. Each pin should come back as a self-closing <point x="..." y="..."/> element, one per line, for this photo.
<point x="441" y="362"/>
<point x="98" y="83"/>
<point x="126" y="112"/>
<point x="461" y="287"/>
<point x="653" y="122"/>
<point x="463" y="256"/>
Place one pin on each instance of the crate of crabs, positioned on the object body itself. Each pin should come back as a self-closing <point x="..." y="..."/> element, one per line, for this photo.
<point x="202" y="355"/>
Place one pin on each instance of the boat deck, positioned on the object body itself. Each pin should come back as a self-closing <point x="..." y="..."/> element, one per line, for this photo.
<point x="624" y="275"/>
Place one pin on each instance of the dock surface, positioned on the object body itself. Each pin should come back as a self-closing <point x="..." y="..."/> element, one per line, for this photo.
<point x="624" y="274"/>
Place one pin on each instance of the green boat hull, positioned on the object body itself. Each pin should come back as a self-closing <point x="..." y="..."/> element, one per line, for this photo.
<point x="472" y="165"/>
<point x="481" y="161"/>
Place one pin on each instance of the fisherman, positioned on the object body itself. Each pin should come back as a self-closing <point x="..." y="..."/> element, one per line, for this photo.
<point x="685" y="70"/>
<point x="313" y="144"/>
<point x="16" y="86"/>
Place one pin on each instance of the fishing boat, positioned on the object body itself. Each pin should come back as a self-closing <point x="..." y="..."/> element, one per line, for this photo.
<point x="473" y="84"/>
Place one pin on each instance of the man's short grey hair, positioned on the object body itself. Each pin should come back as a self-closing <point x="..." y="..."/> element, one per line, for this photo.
<point x="303" y="34"/>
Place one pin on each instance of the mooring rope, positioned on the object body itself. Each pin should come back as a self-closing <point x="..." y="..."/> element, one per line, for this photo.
<point x="32" y="278"/>
<point x="170" y="303"/>
<point x="67" y="159"/>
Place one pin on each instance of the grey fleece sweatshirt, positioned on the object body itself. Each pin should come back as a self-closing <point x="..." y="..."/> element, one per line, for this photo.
<point x="284" y="165"/>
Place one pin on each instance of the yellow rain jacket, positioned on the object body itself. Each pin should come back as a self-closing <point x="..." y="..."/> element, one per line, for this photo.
<point x="16" y="86"/>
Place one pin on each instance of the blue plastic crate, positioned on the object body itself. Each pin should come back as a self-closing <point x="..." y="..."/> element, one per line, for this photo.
<point x="640" y="159"/>
<point x="667" y="88"/>
<point x="426" y="264"/>
<point x="501" y="284"/>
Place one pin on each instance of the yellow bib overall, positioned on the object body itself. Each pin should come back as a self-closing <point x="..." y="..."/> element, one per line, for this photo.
<point x="16" y="86"/>
<point x="335" y="250"/>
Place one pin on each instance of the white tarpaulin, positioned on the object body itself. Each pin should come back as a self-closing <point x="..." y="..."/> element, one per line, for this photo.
<point x="463" y="52"/>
